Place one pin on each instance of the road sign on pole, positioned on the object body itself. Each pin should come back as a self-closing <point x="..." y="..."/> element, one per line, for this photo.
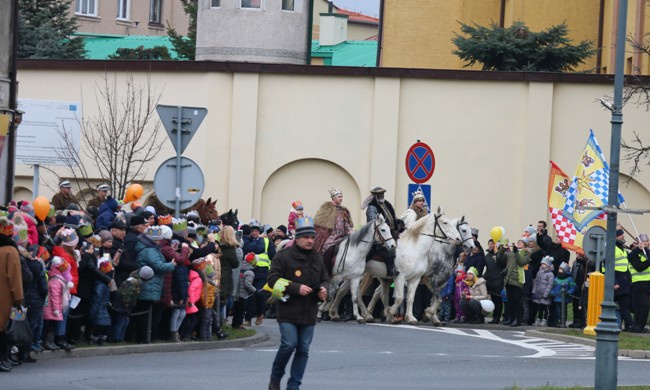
<point x="426" y="191"/>
<point x="190" y="189"/>
<point x="191" y="118"/>
<point x="420" y="162"/>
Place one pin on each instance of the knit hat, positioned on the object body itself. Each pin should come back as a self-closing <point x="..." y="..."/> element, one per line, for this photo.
<point x="305" y="227"/>
<point x="267" y="229"/>
<point x="6" y="227"/>
<point x="69" y="237"/>
<point x="565" y="267"/>
<point x="283" y="229"/>
<point x="52" y="211"/>
<point x="72" y="221"/>
<point x="105" y="236"/>
<point x="20" y="233"/>
<point x="548" y="260"/>
<point x="105" y="266"/>
<point x="199" y="264"/>
<point x="118" y="224"/>
<point x="193" y="216"/>
<point x="154" y="233"/>
<point x="63" y="266"/>
<point x="251" y="258"/>
<point x="146" y="273"/>
<point x="473" y="271"/>
<point x="619" y="232"/>
<point x="166" y="232"/>
<point x="297" y="205"/>
<point x="245" y="230"/>
<point x="530" y="230"/>
<point x="137" y="220"/>
<point x="25" y="207"/>
<point x="209" y="271"/>
<point x="151" y="209"/>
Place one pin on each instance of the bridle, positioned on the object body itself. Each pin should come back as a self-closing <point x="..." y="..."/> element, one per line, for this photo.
<point x="441" y="236"/>
<point x="458" y="225"/>
<point x="376" y="233"/>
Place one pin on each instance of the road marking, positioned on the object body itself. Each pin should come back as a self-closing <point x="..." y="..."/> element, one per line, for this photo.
<point x="386" y="352"/>
<point x="267" y="350"/>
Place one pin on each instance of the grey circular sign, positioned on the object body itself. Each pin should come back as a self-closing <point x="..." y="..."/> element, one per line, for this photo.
<point x="192" y="183"/>
<point x="593" y="243"/>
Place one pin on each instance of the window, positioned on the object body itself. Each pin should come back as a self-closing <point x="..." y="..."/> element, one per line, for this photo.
<point x="123" y="9"/>
<point x="86" y="7"/>
<point x="288" y="5"/>
<point x="215" y="3"/>
<point x="251" y="3"/>
<point x="155" y="8"/>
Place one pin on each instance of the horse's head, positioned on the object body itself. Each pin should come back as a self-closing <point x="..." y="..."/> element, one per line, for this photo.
<point x="207" y="210"/>
<point x="465" y="231"/>
<point x="230" y="218"/>
<point x="382" y="234"/>
<point x="443" y="227"/>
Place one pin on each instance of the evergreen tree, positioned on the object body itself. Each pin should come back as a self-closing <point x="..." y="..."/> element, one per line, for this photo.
<point x="516" y="48"/>
<point x="45" y="30"/>
<point x="185" y="47"/>
<point x="140" y="53"/>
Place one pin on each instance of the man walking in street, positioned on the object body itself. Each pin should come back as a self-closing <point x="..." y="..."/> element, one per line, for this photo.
<point x="298" y="274"/>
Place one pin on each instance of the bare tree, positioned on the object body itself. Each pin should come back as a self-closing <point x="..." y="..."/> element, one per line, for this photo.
<point x="120" y="140"/>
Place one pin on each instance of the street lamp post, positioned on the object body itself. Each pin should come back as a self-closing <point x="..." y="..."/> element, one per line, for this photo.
<point x="607" y="331"/>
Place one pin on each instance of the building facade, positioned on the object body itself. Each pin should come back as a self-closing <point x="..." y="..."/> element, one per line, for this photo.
<point x="129" y="17"/>
<point x="417" y="34"/>
<point x="275" y="134"/>
<point x="360" y="27"/>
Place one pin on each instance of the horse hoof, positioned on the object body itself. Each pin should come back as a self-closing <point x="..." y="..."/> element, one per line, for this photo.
<point x="437" y="323"/>
<point x="361" y="321"/>
<point x="415" y="322"/>
<point x="370" y="320"/>
<point x="335" y="319"/>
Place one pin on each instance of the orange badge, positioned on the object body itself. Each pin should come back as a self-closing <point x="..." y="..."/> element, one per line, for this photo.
<point x="298" y="273"/>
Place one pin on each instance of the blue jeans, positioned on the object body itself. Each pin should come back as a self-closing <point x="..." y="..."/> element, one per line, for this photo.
<point x="294" y="338"/>
<point x="118" y="328"/>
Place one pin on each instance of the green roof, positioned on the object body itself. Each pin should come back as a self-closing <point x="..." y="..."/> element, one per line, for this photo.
<point x="348" y="53"/>
<point x="100" y="46"/>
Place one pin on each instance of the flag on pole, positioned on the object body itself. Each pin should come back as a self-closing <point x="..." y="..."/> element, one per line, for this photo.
<point x="589" y="187"/>
<point x="558" y="187"/>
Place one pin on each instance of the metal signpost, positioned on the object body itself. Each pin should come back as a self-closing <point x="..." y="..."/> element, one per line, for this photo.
<point x="181" y="124"/>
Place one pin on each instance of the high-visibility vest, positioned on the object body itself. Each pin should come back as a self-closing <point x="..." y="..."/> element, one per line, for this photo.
<point x="640" y="276"/>
<point x="263" y="259"/>
<point x="621" y="264"/>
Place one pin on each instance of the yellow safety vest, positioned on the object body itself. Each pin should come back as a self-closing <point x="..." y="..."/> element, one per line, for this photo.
<point x="640" y="276"/>
<point x="263" y="259"/>
<point x="621" y="264"/>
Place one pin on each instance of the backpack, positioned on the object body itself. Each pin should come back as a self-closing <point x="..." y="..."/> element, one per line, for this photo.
<point x="129" y="291"/>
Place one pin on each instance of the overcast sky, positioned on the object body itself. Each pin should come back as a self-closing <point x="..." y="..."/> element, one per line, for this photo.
<point x="368" y="7"/>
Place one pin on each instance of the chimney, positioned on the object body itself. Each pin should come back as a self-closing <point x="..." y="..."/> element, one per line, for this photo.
<point x="333" y="29"/>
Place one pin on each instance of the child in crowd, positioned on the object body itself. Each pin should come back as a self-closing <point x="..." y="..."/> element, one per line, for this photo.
<point x="447" y="296"/>
<point x="208" y="295"/>
<point x="563" y="280"/>
<point x="246" y="291"/>
<point x="98" y="313"/>
<point x="58" y="300"/>
<point x="193" y="296"/>
<point x="460" y="290"/>
<point x="180" y="285"/>
<point x="296" y="212"/>
<point x="542" y="287"/>
<point x="124" y="299"/>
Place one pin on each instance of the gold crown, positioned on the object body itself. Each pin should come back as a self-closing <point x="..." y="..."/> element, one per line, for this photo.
<point x="335" y="192"/>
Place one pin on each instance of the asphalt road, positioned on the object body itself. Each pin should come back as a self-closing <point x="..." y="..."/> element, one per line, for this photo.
<point x="344" y="356"/>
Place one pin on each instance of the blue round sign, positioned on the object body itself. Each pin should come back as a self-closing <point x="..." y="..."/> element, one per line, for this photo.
<point x="420" y="162"/>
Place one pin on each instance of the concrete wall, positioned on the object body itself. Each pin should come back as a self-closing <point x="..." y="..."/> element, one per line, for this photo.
<point x="106" y="22"/>
<point x="268" y="34"/>
<point x="272" y="137"/>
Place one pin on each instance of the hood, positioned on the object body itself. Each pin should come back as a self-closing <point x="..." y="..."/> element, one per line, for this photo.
<point x="109" y="204"/>
<point x="479" y="282"/>
<point x="143" y="243"/>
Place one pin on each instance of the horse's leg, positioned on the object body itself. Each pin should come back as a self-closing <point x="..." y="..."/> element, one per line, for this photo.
<point x="334" y="309"/>
<point x="398" y="295"/>
<point x="432" y="312"/>
<point x="354" y="290"/>
<point x="371" y="306"/>
<point x="410" y="297"/>
<point x="385" y="298"/>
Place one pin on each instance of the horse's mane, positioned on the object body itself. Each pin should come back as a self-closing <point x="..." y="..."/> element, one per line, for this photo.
<point x="414" y="231"/>
<point x="355" y="238"/>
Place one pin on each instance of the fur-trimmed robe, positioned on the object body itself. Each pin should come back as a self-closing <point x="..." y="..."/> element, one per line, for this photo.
<point x="332" y="223"/>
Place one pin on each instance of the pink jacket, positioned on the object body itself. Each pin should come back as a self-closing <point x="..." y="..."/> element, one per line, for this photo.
<point x="194" y="292"/>
<point x="58" y="296"/>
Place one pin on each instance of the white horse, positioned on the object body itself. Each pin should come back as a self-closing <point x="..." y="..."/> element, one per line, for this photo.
<point x="442" y="266"/>
<point x="350" y="264"/>
<point x="412" y="261"/>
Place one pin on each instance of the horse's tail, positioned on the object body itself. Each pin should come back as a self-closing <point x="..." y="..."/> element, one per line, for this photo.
<point x="366" y="280"/>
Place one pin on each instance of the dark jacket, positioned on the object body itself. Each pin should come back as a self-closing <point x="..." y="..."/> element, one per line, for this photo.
<point x="476" y="260"/>
<point x="106" y="214"/>
<point x="559" y="255"/>
<point x="228" y="262"/>
<point x="623" y="279"/>
<point x="493" y="273"/>
<point x="257" y="246"/>
<point x="210" y="247"/>
<point x="180" y="284"/>
<point x="128" y="258"/>
<point x="38" y="286"/>
<point x="300" y="267"/>
<point x="634" y="257"/>
<point x="448" y="290"/>
<point x="88" y="274"/>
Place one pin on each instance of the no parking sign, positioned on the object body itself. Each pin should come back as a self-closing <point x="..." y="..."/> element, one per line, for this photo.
<point x="420" y="162"/>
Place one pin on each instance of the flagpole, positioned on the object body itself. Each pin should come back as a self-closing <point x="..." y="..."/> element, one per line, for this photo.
<point x="636" y="232"/>
<point x="606" y="370"/>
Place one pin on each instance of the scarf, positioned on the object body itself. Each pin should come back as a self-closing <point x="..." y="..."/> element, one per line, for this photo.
<point x="470" y="283"/>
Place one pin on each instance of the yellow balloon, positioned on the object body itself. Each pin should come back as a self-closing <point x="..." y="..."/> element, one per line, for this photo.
<point x="497" y="232"/>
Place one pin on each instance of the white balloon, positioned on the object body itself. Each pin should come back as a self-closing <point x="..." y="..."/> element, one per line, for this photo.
<point x="487" y="305"/>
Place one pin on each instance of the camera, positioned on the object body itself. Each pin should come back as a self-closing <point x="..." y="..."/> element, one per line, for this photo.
<point x="85" y="245"/>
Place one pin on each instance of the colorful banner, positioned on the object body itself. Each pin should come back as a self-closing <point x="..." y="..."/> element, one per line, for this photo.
<point x="558" y="187"/>
<point x="589" y="187"/>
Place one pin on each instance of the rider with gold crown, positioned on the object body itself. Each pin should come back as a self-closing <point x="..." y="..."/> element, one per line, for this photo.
<point x="416" y="211"/>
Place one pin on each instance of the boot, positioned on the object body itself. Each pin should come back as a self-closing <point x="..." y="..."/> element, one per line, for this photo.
<point x="61" y="343"/>
<point x="174" y="337"/>
<point x="221" y="335"/>
<point x="544" y="322"/>
<point x="274" y="384"/>
<point x="259" y="319"/>
<point x="538" y="322"/>
<point x="49" y="343"/>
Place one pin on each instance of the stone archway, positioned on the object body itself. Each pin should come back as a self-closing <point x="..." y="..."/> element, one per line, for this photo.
<point x="636" y="197"/>
<point x="308" y="181"/>
<point x="23" y="193"/>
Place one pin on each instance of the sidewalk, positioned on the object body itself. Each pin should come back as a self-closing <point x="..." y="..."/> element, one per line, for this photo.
<point x="631" y="353"/>
<point x="107" y="350"/>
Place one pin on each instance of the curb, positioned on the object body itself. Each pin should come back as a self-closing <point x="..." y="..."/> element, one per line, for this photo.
<point x="631" y="353"/>
<point x="152" y="348"/>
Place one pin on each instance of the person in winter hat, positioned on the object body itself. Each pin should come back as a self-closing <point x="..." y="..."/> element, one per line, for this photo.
<point x="245" y="293"/>
<point x="98" y="314"/>
<point x="296" y="212"/>
<point x="542" y="286"/>
<point x="125" y="299"/>
<point x="193" y="296"/>
<point x="563" y="282"/>
<point x="471" y="302"/>
<point x="57" y="302"/>
<point x="460" y="290"/>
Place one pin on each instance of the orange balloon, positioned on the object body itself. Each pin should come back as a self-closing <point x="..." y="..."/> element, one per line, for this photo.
<point x="41" y="207"/>
<point x="134" y="192"/>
